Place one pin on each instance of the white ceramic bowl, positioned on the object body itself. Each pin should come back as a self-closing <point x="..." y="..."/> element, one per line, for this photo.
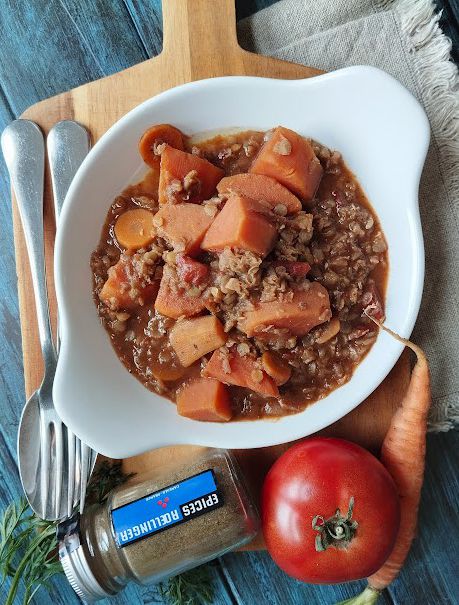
<point x="383" y="134"/>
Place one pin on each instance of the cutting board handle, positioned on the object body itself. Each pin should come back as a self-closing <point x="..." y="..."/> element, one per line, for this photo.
<point x="201" y="35"/>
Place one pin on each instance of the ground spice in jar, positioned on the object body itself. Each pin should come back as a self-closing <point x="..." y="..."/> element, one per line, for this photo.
<point x="160" y="524"/>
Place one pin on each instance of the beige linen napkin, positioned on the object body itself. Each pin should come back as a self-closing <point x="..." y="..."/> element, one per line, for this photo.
<point x="403" y="38"/>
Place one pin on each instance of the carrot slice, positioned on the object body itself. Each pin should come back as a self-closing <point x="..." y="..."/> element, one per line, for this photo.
<point x="152" y="140"/>
<point x="261" y="188"/>
<point x="230" y="367"/>
<point x="205" y="399"/>
<point x="185" y="177"/>
<point x="134" y="229"/>
<point x="290" y="159"/>
<point x="273" y="365"/>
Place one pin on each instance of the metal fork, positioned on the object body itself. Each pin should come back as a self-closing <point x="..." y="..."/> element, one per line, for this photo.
<point x="68" y="144"/>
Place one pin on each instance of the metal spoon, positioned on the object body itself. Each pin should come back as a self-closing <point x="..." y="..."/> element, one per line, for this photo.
<point x="41" y="449"/>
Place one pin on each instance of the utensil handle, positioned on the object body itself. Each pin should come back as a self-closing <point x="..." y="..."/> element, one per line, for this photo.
<point x="201" y="32"/>
<point x="67" y="144"/>
<point x="24" y="150"/>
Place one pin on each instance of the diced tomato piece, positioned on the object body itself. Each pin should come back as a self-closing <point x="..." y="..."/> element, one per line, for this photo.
<point x="295" y="268"/>
<point x="372" y="302"/>
<point x="191" y="271"/>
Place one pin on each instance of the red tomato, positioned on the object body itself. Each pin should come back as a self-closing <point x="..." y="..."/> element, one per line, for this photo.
<point x="305" y="533"/>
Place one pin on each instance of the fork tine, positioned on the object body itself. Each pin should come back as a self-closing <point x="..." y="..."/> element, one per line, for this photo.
<point x="93" y="462"/>
<point x="59" y="465"/>
<point x="85" y="454"/>
<point x="45" y="449"/>
<point x="77" y="476"/>
<point x="71" y="444"/>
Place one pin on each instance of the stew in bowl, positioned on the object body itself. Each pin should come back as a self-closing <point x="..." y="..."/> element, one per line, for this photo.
<point x="234" y="278"/>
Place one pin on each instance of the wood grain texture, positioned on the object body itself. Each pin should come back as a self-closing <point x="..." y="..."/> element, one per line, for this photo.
<point x="74" y="49"/>
<point x="199" y="41"/>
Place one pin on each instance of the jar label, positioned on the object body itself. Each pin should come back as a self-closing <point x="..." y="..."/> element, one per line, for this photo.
<point x="177" y="503"/>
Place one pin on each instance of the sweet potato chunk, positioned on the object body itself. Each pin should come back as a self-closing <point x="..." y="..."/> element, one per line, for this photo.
<point x="273" y="365"/>
<point x="241" y="224"/>
<point x="243" y="371"/>
<point x="261" y="188"/>
<point x="176" y="302"/>
<point x="185" y="177"/>
<point x="291" y="160"/>
<point x="307" y="309"/>
<point x="127" y="286"/>
<point x="193" y="338"/>
<point x="204" y="399"/>
<point x="183" y="226"/>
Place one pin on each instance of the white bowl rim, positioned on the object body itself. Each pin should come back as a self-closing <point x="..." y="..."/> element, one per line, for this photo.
<point x="217" y="435"/>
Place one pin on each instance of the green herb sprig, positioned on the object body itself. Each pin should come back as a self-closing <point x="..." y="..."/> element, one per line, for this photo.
<point x="194" y="587"/>
<point x="28" y="549"/>
<point x="107" y="475"/>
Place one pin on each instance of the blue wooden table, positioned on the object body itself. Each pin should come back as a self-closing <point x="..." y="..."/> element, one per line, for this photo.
<point x="49" y="46"/>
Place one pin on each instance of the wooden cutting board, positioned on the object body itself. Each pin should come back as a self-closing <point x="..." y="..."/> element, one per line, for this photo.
<point x="199" y="42"/>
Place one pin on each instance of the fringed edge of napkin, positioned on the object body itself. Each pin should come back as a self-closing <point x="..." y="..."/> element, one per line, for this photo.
<point x="439" y="76"/>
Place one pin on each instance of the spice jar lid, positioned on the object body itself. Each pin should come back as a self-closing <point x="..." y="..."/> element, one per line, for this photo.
<point x="76" y="565"/>
<point x="81" y="579"/>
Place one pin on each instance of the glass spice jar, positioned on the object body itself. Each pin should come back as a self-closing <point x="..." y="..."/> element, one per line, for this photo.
<point x="158" y="525"/>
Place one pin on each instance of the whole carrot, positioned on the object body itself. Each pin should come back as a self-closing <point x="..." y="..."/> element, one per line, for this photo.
<point x="403" y="454"/>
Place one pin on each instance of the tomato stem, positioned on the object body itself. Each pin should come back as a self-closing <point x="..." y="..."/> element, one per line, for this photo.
<point x="336" y="531"/>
